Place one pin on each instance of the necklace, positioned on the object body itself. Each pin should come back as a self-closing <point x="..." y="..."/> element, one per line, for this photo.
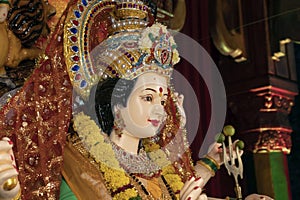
<point x="136" y="163"/>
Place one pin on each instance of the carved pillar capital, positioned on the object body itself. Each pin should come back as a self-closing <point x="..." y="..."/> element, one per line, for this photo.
<point x="273" y="139"/>
<point x="275" y="99"/>
<point x="261" y="117"/>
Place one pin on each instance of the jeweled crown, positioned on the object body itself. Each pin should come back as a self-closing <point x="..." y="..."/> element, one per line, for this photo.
<point x="115" y="38"/>
<point x="127" y="55"/>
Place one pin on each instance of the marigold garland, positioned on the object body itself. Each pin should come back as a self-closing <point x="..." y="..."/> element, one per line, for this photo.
<point x="93" y="139"/>
<point x="114" y="176"/>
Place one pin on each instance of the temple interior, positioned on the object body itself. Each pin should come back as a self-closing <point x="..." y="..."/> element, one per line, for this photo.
<point x="245" y="75"/>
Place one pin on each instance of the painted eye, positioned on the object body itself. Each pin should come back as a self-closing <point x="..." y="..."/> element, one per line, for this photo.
<point x="163" y="103"/>
<point x="148" y="98"/>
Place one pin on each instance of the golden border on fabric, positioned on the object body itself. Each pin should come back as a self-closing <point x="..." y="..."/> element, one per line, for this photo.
<point x="82" y="175"/>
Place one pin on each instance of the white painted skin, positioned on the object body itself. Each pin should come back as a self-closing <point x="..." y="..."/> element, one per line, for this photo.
<point x="7" y="169"/>
<point x="144" y="113"/>
<point x="3" y="12"/>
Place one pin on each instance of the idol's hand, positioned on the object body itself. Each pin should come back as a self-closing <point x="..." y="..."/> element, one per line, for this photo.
<point x="3" y="12"/>
<point x="9" y="184"/>
<point x="192" y="190"/>
<point x="215" y="151"/>
<point x="258" y="197"/>
<point x="179" y="98"/>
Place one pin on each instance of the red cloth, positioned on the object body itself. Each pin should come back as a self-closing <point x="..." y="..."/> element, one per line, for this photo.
<point x="36" y="119"/>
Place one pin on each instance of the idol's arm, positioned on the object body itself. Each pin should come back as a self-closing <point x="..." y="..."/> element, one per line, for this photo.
<point x="207" y="167"/>
<point x="203" y="172"/>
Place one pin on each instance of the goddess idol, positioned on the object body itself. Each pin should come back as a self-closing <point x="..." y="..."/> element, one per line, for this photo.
<point x="112" y="65"/>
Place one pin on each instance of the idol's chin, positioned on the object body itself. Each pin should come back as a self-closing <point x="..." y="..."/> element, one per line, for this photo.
<point x="152" y="133"/>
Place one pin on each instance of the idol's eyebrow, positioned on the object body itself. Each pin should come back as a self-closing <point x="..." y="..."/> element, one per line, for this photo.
<point x="151" y="90"/>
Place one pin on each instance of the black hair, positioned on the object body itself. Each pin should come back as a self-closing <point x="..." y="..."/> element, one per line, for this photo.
<point x="111" y="92"/>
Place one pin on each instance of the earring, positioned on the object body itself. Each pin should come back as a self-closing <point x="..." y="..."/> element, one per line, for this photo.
<point x="119" y="124"/>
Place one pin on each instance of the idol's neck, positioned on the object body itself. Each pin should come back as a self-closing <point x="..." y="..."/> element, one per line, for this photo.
<point x="126" y="141"/>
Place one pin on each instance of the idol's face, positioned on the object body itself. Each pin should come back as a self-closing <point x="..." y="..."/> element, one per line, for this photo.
<point x="144" y="114"/>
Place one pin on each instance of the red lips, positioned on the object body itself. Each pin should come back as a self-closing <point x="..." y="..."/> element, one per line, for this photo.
<point x="154" y="122"/>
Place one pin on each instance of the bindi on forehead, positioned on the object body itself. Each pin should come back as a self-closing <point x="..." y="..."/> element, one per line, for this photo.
<point x="161" y="90"/>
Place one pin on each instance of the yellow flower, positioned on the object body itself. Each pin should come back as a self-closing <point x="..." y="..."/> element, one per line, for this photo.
<point x="150" y="146"/>
<point x="127" y="194"/>
<point x="159" y="157"/>
<point x="168" y="170"/>
<point x="116" y="178"/>
<point x="174" y="181"/>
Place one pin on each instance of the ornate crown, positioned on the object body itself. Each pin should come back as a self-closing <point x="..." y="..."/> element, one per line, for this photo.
<point x="111" y="39"/>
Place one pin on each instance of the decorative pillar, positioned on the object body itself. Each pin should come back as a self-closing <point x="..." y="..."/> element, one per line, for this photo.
<point x="261" y="115"/>
<point x="261" y="84"/>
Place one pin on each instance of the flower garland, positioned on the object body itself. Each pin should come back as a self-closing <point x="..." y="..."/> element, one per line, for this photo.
<point x="116" y="179"/>
<point x="114" y="176"/>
